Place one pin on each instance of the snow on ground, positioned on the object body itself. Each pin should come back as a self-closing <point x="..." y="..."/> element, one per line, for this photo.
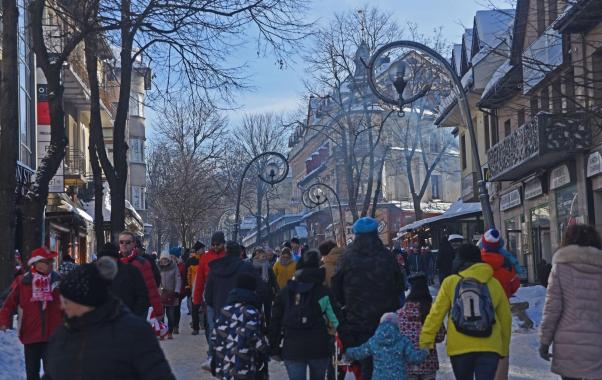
<point x="535" y="296"/>
<point x="12" y="364"/>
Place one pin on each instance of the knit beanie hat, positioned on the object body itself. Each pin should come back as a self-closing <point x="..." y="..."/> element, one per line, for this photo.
<point x="232" y="248"/>
<point x="89" y="283"/>
<point x="175" y="251"/>
<point x="218" y="238"/>
<point x="365" y="225"/>
<point x="109" y="249"/>
<point x="491" y="240"/>
<point x="246" y="281"/>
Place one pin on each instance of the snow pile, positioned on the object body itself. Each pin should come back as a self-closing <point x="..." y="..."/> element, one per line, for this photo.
<point x="535" y="296"/>
<point x="12" y="365"/>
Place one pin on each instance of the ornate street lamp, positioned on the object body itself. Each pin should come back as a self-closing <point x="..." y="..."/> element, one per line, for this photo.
<point x="273" y="172"/>
<point x="396" y="76"/>
<point x="316" y="195"/>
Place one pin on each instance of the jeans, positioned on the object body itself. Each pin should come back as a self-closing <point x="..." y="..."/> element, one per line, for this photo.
<point x="170" y="313"/>
<point x="34" y="352"/>
<point x="209" y="328"/>
<point x="177" y="313"/>
<point x="195" y="314"/>
<point x="298" y="370"/>
<point x="475" y="365"/>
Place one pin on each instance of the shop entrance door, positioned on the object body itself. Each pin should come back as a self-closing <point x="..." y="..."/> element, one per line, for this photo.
<point x="542" y="239"/>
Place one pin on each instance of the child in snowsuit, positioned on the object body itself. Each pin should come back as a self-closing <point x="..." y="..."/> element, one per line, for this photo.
<point x="240" y="349"/>
<point x="411" y="317"/>
<point x="391" y="351"/>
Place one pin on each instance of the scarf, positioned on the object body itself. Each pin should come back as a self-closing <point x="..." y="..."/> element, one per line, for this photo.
<point x="41" y="287"/>
<point x="129" y="258"/>
<point x="264" y="265"/>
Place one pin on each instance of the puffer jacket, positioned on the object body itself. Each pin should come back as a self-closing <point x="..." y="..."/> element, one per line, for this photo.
<point x="503" y="271"/>
<point x="35" y="324"/>
<point x="193" y="264"/>
<point x="284" y="273"/>
<point x="572" y="314"/>
<point x="109" y="342"/>
<point x="458" y="343"/>
<point x="330" y="263"/>
<point x="222" y="278"/>
<point x="202" y="274"/>
<point x="391" y="351"/>
<point x="171" y="280"/>
<point x="146" y="269"/>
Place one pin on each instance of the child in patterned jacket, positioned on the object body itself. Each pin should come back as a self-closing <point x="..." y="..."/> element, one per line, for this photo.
<point x="411" y="317"/>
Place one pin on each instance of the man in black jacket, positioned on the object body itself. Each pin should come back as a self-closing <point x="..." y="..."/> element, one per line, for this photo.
<point x="128" y="285"/>
<point x="367" y="283"/>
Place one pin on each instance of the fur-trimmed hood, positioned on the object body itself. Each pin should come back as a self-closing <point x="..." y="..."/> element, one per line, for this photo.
<point x="575" y="254"/>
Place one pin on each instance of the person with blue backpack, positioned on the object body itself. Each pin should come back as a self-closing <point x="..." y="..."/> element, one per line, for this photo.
<point x="479" y="318"/>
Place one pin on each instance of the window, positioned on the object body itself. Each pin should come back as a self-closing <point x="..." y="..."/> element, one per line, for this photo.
<point x="541" y="17"/>
<point x="556" y="96"/>
<point x="495" y="136"/>
<point x="138" y="197"/>
<point x="26" y="84"/>
<point x="545" y="99"/>
<point x="507" y="128"/>
<point x="569" y="89"/>
<point x="463" y="150"/>
<point x="137" y="150"/>
<point x="137" y="105"/>
<point x="436" y="186"/>
<point x="486" y="128"/>
<point x="520" y="117"/>
<point x="534" y="102"/>
<point x="552" y="10"/>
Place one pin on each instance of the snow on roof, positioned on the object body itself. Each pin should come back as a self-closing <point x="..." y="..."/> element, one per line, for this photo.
<point x="494" y="26"/>
<point x="467" y="40"/>
<point x="496" y="78"/>
<point x="457" y="58"/>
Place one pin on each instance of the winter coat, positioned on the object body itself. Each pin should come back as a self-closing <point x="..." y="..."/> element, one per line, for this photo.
<point x="66" y="267"/>
<point x="572" y="314"/>
<point x="445" y="259"/>
<point x="416" y="263"/>
<point x="284" y="272"/>
<point x="171" y="281"/>
<point x="458" y="343"/>
<point x="300" y="344"/>
<point x="222" y="279"/>
<point x="107" y="343"/>
<point x="391" y="351"/>
<point x="183" y="278"/>
<point x="35" y="324"/>
<point x="193" y="264"/>
<point x="146" y="269"/>
<point x="503" y="271"/>
<point x="366" y="285"/>
<point x="239" y="346"/>
<point x="330" y="263"/>
<point x="410" y="326"/>
<point x="202" y="274"/>
<point x="129" y="287"/>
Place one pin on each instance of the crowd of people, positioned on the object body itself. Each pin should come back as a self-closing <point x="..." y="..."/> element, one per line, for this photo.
<point x="362" y="310"/>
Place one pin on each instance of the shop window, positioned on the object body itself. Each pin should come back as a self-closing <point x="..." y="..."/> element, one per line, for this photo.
<point x="567" y="208"/>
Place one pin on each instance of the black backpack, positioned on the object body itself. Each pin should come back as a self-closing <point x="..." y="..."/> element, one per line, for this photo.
<point x="302" y="310"/>
<point x="472" y="308"/>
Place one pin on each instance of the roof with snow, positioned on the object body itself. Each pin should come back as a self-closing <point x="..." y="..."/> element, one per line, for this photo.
<point x="491" y="29"/>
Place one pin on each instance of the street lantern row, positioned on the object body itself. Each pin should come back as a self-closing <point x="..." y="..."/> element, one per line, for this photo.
<point x="317" y="195"/>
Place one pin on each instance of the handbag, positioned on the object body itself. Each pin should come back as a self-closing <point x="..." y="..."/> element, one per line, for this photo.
<point x="168" y="297"/>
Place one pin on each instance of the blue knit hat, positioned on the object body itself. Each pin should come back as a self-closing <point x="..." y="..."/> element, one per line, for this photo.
<point x="365" y="225"/>
<point x="175" y="251"/>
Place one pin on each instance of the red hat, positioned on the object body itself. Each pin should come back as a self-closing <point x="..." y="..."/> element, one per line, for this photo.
<point x="40" y="254"/>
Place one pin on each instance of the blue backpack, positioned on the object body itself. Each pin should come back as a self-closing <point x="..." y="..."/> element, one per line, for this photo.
<point x="472" y="309"/>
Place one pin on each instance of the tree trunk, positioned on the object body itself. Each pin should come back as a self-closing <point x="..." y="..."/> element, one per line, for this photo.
<point x="9" y="139"/>
<point x="416" y="199"/>
<point x="379" y="185"/>
<point x="371" y="167"/>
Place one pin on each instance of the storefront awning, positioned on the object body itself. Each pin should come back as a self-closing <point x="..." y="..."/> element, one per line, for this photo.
<point x="457" y="210"/>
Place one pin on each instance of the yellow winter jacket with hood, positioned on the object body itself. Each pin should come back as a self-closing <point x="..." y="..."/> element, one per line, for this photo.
<point x="458" y="343"/>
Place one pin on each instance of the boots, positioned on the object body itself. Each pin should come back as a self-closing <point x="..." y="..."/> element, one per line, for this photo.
<point x="176" y="330"/>
<point x="169" y="335"/>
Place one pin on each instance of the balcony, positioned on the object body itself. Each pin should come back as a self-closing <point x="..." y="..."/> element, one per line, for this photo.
<point x="75" y="167"/>
<point x="542" y="143"/>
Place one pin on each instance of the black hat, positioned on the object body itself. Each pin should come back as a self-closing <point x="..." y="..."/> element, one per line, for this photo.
<point x="218" y="238"/>
<point x="309" y="259"/>
<point x="109" y="249"/>
<point x="233" y="248"/>
<point x="468" y="253"/>
<point x="89" y="284"/>
<point x="246" y="281"/>
<point x="198" y="245"/>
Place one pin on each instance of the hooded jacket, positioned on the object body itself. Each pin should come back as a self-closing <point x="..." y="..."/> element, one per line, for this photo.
<point x="303" y="343"/>
<point x="503" y="271"/>
<point x="391" y="351"/>
<point x="35" y="324"/>
<point x="572" y="314"/>
<point x="410" y="325"/>
<point x="222" y="279"/>
<point x="284" y="273"/>
<point x="107" y="343"/>
<point x="330" y="263"/>
<point x="239" y="346"/>
<point x="202" y="274"/>
<point x="458" y="343"/>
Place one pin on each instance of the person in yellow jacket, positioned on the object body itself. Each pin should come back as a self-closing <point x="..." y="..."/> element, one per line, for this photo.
<point x="285" y="267"/>
<point x="193" y="263"/>
<point x="470" y="356"/>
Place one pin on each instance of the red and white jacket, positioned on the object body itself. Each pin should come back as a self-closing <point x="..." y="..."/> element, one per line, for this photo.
<point x="146" y="270"/>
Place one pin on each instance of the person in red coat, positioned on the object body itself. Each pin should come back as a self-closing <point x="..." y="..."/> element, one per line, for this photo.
<point x="129" y="255"/>
<point x="36" y="295"/>
<point x="217" y="251"/>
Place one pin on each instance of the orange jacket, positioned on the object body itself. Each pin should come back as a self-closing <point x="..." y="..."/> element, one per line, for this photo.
<point x="503" y="271"/>
<point x="202" y="273"/>
<point x="191" y="274"/>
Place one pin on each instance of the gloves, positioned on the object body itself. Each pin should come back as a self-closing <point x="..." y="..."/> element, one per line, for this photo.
<point x="544" y="352"/>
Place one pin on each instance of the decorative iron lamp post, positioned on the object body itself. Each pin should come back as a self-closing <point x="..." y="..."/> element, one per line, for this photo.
<point x="274" y="171"/>
<point x="397" y="77"/>
<point x="316" y="195"/>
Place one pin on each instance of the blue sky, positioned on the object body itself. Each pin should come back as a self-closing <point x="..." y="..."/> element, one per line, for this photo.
<point x="279" y="90"/>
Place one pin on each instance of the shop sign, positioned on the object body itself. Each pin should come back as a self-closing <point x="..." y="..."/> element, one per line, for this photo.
<point x="559" y="177"/>
<point x="533" y="188"/>
<point x="594" y="164"/>
<point x="510" y="200"/>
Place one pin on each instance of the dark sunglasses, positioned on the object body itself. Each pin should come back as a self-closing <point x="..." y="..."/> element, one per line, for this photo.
<point x="125" y="242"/>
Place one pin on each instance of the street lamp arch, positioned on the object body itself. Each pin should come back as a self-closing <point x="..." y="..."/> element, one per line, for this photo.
<point x="317" y="194"/>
